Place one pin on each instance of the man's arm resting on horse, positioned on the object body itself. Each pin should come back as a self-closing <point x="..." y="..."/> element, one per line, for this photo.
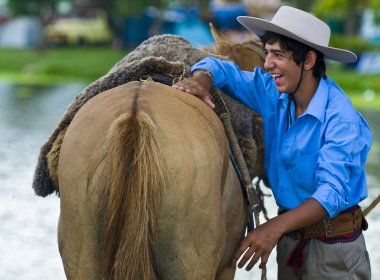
<point x="199" y="85"/>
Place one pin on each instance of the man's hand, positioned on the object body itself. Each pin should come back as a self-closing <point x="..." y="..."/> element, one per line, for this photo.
<point x="259" y="243"/>
<point x="198" y="85"/>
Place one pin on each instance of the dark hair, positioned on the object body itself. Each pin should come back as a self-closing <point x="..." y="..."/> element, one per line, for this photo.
<point x="299" y="51"/>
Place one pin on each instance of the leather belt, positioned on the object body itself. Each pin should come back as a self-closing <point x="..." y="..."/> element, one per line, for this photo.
<point x="347" y="222"/>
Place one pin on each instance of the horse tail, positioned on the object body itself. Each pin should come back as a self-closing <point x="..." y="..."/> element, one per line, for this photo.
<point x="131" y="173"/>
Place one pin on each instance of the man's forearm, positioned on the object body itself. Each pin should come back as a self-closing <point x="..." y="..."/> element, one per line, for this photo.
<point x="308" y="213"/>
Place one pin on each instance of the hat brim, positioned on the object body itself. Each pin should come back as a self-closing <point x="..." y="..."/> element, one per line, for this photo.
<point x="260" y="26"/>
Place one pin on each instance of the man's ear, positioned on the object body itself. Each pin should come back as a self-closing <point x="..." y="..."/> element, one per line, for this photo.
<point x="310" y="60"/>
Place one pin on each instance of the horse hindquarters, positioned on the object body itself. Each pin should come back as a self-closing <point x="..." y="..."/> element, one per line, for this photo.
<point x="132" y="176"/>
<point x="202" y="218"/>
<point x="111" y="178"/>
<point x="200" y="207"/>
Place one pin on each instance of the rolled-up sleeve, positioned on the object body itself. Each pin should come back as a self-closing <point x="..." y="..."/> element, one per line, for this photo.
<point x="255" y="89"/>
<point x="340" y="173"/>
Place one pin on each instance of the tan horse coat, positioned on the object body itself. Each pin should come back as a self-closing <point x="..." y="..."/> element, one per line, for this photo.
<point x="192" y="217"/>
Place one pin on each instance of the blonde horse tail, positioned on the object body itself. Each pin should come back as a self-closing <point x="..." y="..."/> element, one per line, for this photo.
<point x="131" y="174"/>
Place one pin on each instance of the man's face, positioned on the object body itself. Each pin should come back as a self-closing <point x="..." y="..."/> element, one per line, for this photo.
<point x="285" y="72"/>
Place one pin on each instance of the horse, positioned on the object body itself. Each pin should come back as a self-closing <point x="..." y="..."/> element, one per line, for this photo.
<point x="247" y="54"/>
<point x="146" y="184"/>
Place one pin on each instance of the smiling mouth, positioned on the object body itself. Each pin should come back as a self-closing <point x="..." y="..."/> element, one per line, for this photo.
<point x="277" y="75"/>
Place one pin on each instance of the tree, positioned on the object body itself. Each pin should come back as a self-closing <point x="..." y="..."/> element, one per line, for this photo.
<point x="349" y="12"/>
<point x="31" y="7"/>
<point x="301" y="4"/>
<point x="120" y="10"/>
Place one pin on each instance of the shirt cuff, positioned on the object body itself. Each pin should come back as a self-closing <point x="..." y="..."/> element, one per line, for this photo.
<point x="329" y="199"/>
<point x="206" y="67"/>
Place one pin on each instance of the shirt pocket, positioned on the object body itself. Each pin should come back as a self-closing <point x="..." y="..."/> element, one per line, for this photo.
<point x="303" y="171"/>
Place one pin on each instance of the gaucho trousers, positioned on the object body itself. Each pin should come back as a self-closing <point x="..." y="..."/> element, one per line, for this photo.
<point x="322" y="261"/>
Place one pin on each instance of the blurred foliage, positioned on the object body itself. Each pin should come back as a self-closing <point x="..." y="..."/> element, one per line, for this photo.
<point x="136" y="8"/>
<point x="130" y="8"/>
<point x="115" y="7"/>
<point x="31" y="7"/>
<point x="58" y="65"/>
<point x="356" y="85"/>
<point x="301" y="4"/>
<point x="353" y="43"/>
<point x="349" y="12"/>
<point x="65" y="65"/>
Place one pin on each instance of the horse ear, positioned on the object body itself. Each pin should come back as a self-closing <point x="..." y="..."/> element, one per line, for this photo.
<point x="218" y="36"/>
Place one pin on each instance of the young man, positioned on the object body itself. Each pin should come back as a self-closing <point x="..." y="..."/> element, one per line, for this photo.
<point x="316" y="145"/>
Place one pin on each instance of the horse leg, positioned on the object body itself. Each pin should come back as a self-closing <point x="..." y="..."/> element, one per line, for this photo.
<point x="235" y="220"/>
<point x="77" y="228"/>
<point x="198" y="241"/>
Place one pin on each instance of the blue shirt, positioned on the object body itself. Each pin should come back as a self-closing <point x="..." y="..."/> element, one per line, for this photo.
<point x="322" y="155"/>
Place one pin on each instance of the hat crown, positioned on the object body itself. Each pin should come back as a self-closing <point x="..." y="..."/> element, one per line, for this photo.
<point x="303" y="25"/>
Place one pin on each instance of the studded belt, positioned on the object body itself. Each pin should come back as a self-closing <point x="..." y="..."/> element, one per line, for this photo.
<point x="347" y="222"/>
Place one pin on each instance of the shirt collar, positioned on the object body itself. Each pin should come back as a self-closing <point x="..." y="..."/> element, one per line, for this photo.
<point x="317" y="105"/>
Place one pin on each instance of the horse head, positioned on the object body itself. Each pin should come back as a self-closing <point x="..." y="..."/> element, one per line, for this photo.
<point x="247" y="54"/>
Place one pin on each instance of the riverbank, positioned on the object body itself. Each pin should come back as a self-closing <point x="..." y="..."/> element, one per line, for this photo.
<point x="87" y="64"/>
<point x="57" y="65"/>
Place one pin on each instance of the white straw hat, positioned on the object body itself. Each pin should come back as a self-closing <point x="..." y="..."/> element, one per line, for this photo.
<point x="300" y="26"/>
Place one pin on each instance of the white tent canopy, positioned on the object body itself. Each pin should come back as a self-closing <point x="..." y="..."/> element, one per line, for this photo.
<point x="21" y="32"/>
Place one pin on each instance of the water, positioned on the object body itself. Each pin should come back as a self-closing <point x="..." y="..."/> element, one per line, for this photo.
<point x="28" y="223"/>
<point x="28" y="242"/>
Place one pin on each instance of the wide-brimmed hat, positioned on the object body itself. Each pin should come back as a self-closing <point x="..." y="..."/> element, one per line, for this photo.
<point x="300" y="26"/>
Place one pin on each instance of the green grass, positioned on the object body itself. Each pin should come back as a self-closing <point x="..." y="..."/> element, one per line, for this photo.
<point x="363" y="89"/>
<point x="58" y="65"/>
<point x="86" y="64"/>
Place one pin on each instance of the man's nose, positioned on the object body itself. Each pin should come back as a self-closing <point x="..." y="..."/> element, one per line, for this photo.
<point x="268" y="63"/>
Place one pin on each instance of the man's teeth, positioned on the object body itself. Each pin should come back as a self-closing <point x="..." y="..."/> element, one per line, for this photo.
<point x="276" y="75"/>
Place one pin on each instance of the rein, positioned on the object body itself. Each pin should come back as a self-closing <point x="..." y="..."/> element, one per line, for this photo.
<point x="242" y="172"/>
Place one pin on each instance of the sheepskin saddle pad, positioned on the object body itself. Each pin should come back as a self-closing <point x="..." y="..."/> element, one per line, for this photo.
<point x="168" y="55"/>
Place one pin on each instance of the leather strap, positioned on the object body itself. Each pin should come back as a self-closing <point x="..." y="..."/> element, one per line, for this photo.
<point x="346" y="222"/>
<point x="159" y="78"/>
